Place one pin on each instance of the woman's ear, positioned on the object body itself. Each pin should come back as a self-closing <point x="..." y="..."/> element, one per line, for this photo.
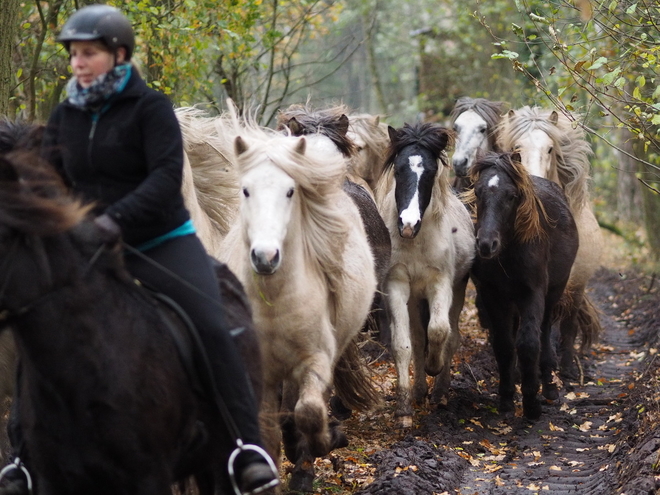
<point x="120" y="55"/>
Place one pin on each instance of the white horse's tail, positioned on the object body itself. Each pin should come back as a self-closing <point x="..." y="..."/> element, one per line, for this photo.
<point x="352" y="380"/>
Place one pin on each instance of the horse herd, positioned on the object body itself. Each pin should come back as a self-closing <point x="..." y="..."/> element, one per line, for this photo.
<point x="331" y="226"/>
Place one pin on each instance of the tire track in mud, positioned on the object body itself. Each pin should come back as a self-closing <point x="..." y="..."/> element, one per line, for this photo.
<point x="467" y="448"/>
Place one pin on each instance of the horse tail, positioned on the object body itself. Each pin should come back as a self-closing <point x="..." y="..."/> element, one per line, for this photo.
<point x="352" y="380"/>
<point x="588" y="323"/>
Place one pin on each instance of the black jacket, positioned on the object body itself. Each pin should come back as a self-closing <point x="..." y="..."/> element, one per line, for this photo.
<point x="127" y="158"/>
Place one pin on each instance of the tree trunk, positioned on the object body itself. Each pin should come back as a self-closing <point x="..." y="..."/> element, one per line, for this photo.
<point x="652" y="219"/>
<point x="628" y="188"/>
<point x="8" y="29"/>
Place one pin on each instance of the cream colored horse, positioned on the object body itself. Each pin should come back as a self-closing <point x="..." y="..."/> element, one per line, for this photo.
<point x="301" y="252"/>
<point x="371" y="141"/>
<point x="551" y="146"/>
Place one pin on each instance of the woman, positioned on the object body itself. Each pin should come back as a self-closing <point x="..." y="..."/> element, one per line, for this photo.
<point x="118" y="143"/>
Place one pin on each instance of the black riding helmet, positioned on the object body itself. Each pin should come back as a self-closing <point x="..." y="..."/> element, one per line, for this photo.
<point x="99" y="22"/>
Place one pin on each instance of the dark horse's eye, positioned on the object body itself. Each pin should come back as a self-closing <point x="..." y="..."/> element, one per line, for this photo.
<point x="246" y="193"/>
<point x="289" y="193"/>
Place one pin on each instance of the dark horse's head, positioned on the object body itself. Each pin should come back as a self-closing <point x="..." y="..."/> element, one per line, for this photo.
<point x="301" y="120"/>
<point x="415" y="153"/>
<point x="506" y="205"/>
<point x="15" y="135"/>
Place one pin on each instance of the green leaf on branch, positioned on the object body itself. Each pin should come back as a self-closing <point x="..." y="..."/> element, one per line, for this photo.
<point x="505" y="54"/>
<point x="598" y="63"/>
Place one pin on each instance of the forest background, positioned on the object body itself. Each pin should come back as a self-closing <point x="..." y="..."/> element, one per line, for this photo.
<point x="406" y="60"/>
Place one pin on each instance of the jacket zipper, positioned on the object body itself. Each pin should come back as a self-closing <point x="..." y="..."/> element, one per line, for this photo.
<point x="92" y="131"/>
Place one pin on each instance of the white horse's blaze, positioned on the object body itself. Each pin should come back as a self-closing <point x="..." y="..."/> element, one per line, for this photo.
<point x="494" y="181"/>
<point x="536" y="153"/>
<point x="411" y="215"/>
<point x="471" y="137"/>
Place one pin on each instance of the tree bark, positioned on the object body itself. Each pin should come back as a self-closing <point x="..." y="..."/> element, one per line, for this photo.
<point x="628" y="188"/>
<point x="8" y="30"/>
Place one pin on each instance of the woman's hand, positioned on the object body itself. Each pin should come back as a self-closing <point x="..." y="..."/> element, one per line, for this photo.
<point x="110" y="230"/>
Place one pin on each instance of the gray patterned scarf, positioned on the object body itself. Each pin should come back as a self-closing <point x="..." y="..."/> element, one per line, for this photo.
<point x="103" y="87"/>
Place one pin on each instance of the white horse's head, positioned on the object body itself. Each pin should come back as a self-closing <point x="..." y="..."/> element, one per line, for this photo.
<point x="267" y="203"/>
<point x="537" y="149"/>
<point x="471" y="138"/>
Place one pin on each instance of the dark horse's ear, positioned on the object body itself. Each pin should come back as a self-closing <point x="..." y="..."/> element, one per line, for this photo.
<point x="391" y="131"/>
<point x="554" y="117"/>
<point x="7" y="171"/>
<point x="295" y="127"/>
<point x="240" y="146"/>
<point x="515" y="157"/>
<point x="342" y="128"/>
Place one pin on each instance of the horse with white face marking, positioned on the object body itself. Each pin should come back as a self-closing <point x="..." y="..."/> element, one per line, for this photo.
<point x="551" y="146"/>
<point x="474" y="121"/>
<point x="432" y="250"/>
<point x="299" y="248"/>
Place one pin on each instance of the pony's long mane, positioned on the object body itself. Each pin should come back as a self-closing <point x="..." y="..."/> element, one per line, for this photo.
<point x="371" y="130"/>
<point x="19" y="134"/>
<point x="570" y="152"/>
<point x="33" y="197"/>
<point x="208" y="143"/>
<point x="434" y="138"/>
<point x="490" y="111"/>
<point x="530" y="211"/>
<point x="331" y="122"/>
<point x="319" y="178"/>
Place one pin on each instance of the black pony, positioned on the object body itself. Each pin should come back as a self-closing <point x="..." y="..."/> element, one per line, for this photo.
<point x="526" y="244"/>
<point x="108" y="400"/>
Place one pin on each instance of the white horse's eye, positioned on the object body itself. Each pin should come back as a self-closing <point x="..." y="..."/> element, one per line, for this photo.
<point x="482" y="130"/>
<point x="246" y="193"/>
<point x="289" y="193"/>
<point x="550" y="150"/>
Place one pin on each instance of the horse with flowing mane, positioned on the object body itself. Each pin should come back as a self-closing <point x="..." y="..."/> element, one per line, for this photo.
<point x="474" y="120"/>
<point x="552" y="146"/>
<point x="371" y="140"/>
<point x="432" y="250"/>
<point x="109" y="399"/>
<point x="526" y="243"/>
<point x="300" y="249"/>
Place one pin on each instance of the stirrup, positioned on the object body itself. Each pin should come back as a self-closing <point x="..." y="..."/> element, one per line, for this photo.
<point x="241" y="447"/>
<point x="17" y="464"/>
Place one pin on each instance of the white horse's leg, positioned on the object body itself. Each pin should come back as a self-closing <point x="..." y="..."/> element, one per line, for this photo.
<point x="439" y="330"/>
<point x="398" y="293"/>
<point x="315" y="378"/>
<point x="442" y="381"/>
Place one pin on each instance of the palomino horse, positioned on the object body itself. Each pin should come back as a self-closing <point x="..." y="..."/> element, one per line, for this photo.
<point x="474" y="120"/>
<point x="108" y="404"/>
<point x="432" y="250"/>
<point x="526" y="244"/>
<point x="300" y="249"/>
<point x="371" y="141"/>
<point x="551" y="146"/>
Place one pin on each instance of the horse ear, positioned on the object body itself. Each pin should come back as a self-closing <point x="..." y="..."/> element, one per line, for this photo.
<point x="511" y="113"/>
<point x="343" y="124"/>
<point x="515" y="157"/>
<point x="295" y="127"/>
<point x="240" y="146"/>
<point x="301" y="146"/>
<point x="7" y="171"/>
<point x="376" y="120"/>
<point x="554" y="117"/>
<point x="391" y="131"/>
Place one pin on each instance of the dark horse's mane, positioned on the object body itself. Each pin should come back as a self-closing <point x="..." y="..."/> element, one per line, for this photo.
<point x="490" y="111"/>
<point x="19" y="134"/>
<point x="530" y="212"/>
<point x="302" y="120"/>
<point x="430" y="136"/>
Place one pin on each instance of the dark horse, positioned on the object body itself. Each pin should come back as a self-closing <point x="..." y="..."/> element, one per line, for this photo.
<point x="107" y="404"/>
<point x="526" y="244"/>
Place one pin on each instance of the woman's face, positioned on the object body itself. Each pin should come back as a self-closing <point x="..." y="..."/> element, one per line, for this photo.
<point x="89" y="59"/>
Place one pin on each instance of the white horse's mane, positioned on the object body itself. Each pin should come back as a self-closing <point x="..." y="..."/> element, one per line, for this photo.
<point x="571" y="150"/>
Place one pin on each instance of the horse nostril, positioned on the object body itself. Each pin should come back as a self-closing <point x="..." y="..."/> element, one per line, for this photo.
<point x="276" y="258"/>
<point x="495" y="246"/>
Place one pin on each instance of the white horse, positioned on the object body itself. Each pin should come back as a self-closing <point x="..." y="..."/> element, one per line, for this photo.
<point x="551" y="146"/>
<point x="371" y="140"/>
<point x="474" y="120"/>
<point x="431" y="259"/>
<point x="301" y="252"/>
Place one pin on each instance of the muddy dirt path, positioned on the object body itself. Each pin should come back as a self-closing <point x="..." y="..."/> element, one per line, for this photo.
<point x="582" y="443"/>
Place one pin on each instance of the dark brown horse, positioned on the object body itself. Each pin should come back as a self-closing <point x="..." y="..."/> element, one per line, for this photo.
<point x="526" y="244"/>
<point x="109" y="403"/>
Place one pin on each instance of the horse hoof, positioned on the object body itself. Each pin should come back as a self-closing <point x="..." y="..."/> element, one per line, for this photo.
<point x="339" y="440"/>
<point x="506" y="406"/>
<point x="338" y="409"/>
<point x="302" y="481"/>
<point x="532" y="408"/>
<point x="405" y="422"/>
<point x="550" y="391"/>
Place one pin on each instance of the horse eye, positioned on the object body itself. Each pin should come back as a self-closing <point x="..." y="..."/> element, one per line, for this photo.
<point x="289" y="193"/>
<point x="246" y="193"/>
<point x="482" y="130"/>
<point x="550" y="150"/>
